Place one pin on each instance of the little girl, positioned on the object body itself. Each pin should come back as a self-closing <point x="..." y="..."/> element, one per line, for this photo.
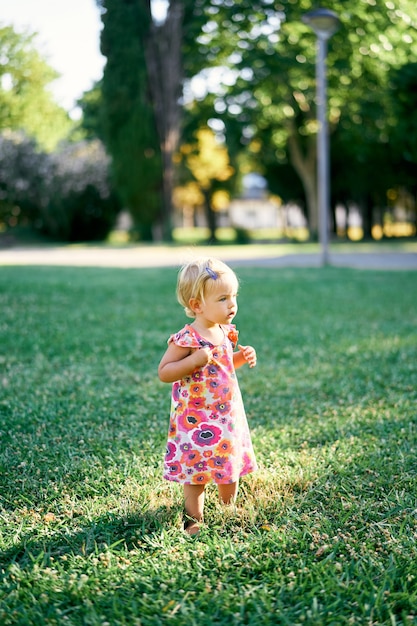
<point x="208" y="437"/>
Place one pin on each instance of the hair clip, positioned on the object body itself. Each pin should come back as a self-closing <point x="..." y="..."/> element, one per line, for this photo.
<point x="211" y="273"/>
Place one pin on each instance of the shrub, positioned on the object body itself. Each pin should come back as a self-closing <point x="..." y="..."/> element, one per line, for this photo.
<point x="24" y="175"/>
<point x="82" y="206"/>
<point x="65" y="195"/>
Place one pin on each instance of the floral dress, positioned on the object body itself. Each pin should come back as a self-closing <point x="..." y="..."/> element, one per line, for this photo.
<point x="208" y="438"/>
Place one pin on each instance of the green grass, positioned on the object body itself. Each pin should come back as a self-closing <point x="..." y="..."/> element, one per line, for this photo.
<point x="323" y="534"/>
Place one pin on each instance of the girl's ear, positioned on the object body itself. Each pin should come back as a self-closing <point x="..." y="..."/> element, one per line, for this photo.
<point x="195" y="305"/>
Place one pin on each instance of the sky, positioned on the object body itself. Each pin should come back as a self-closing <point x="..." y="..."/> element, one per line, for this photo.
<point x="68" y="38"/>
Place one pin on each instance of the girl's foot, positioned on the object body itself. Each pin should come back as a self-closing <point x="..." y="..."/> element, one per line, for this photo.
<point x="192" y="528"/>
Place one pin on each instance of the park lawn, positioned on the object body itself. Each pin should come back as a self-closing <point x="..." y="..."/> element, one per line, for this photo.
<point x="323" y="534"/>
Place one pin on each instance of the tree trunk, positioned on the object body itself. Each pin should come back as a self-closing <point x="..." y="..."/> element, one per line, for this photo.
<point x="210" y="215"/>
<point x="367" y="216"/>
<point x="163" y="59"/>
<point x="305" y="166"/>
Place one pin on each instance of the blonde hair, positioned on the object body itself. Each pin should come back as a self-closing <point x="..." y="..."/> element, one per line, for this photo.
<point x="197" y="276"/>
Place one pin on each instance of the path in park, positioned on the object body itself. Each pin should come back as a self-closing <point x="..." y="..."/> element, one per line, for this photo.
<point x="165" y="256"/>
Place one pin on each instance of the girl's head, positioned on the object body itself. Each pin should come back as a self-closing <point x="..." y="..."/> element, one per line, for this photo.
<point x="198" y="277"/>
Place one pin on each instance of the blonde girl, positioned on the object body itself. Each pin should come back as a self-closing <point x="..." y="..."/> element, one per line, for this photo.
<point x="208" y="438"/>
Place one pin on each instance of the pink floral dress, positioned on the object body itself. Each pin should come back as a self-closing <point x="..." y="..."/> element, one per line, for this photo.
<point x="208" y="438"/>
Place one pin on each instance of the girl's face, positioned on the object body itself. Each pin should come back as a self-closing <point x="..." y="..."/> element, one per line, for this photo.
<point x="220" y="301"/>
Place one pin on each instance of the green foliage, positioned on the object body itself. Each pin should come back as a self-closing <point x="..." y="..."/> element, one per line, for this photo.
<point x="258" y="63"/>
<point x="266" y="100"/>
<point x="80" y="216"/>
<point x="82" y="205"/>
<point x="91" y="121"/>
<point x="128" y="118"/>
<point x="25" y="102"/>
<point x="323" y="534"/>
<point x="403" y="136"/>
<point x="24" y="175"/>
<point x="65" y="195"/>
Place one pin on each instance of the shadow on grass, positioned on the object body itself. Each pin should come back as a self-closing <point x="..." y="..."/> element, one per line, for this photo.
<point x="106" y="532"/>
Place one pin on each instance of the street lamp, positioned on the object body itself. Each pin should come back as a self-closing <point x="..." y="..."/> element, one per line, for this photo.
<point x="324" y="23"/>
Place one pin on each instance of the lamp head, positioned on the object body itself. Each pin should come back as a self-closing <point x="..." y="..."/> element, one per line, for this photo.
<point x="322" y="21"/>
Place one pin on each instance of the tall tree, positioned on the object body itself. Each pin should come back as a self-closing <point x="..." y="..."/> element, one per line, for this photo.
<point x="208" y="162"/>
<point x="403" y="135"/>
<point x="26" y="104"/>
<point x="128" y="120"/>
<point x="163" y="42"/>
<point x="141" y="91"/>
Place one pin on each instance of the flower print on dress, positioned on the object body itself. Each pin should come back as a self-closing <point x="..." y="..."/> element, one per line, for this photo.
<point x="200" y="478"/>
<point x="219" y="389"/>
<point x="171" y="451"/>
<point x="208" y="423"/>
<point x="180" y="404"/>
<point x="189" y="420"/>
<point x="196" y="390"/>
<point x="174" y="469"/>
<point x="222" y="408"/>
<point x="190" y="458"/>
<point x="207" y="435"/>
<point x="212" y="369"/>
<point x="201" y="466"/>
<point x="246" y="463"/>
<point x="217" y="462"/>
<point x="222" y="474"/>
<point x="224" y="448"/>
<point x="197" y="376"/>
<point x="196" y="403"/>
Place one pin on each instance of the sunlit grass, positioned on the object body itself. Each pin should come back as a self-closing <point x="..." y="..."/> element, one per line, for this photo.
<point x="324" y="533"/>
<point x="199" y="235"/>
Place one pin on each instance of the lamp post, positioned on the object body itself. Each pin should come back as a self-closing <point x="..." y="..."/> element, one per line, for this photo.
<point x="324" y="23"/>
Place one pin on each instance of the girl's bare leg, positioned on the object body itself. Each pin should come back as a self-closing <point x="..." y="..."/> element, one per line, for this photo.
<point x="194" y="507"/>
<point x="228" y="493"/>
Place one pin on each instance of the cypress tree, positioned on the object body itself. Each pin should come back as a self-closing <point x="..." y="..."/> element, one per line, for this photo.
<point x="128" y="119"/>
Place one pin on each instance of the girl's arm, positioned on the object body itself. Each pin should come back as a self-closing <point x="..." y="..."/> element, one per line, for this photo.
<point x="246" y="354"/>
<point x="178" y="362"/>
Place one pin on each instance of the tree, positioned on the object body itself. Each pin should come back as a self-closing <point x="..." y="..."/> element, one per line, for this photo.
<point x="162" y="43"/>
<point x="403" y="133"/>
<point x="25" y="102"/>
<point x="208" y="161"/>
<point x="141" y="90"/>
<point x="90" y="104"/>
<point x="268" y="93"/>
<point x="258" y="63"/>
<point x="128" y="121"/>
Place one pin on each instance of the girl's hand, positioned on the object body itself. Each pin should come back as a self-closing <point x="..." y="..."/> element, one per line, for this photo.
<point x="202" y="356"/>
<point x="249" y="354"/>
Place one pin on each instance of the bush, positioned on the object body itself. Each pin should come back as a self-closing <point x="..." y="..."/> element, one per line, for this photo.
<point x="65" y="195"/>
<point x="82" y="206"/>
<point x="242" y="235"/>
<point x="24" y="175"/>
<point x="82" y="215"/>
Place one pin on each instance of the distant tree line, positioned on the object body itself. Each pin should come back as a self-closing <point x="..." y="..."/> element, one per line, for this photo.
<point x="191" y="102"/>
<point x="255" y="63"/>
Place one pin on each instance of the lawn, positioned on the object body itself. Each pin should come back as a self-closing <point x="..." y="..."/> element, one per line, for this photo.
<point x="323" y="534"/>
